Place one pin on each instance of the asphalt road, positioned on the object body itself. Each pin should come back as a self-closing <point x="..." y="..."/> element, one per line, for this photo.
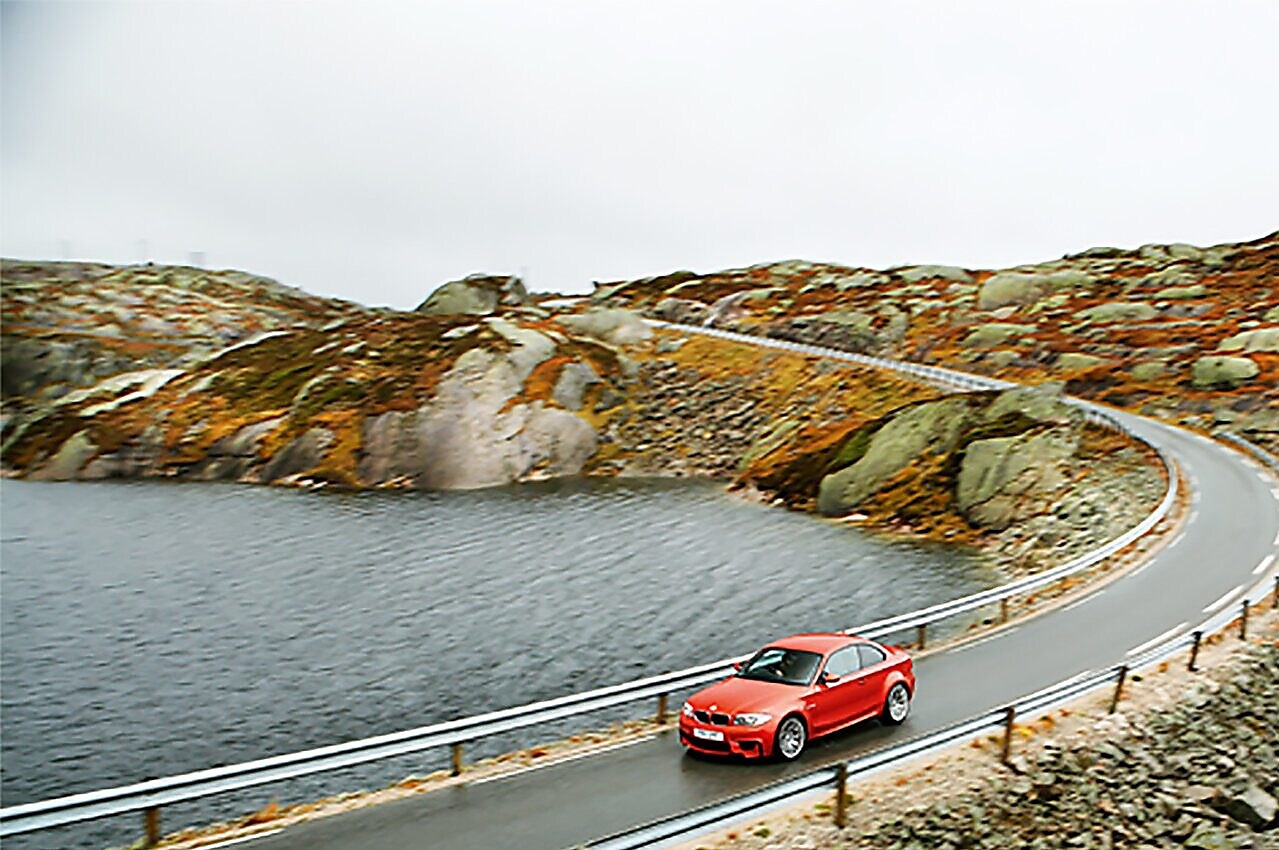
<point x="1234" y="525"/>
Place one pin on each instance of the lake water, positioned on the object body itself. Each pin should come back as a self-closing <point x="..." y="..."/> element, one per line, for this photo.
<point x="153" y="628"/>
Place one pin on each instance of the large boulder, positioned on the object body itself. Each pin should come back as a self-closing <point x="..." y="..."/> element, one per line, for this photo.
<point x="1223" y="372"/>
<point x="614" y="326"/>
<point x="1011" y="288"/>
<point x="933" y="426"/>
<point x="914" y="274"/>
<point x="682" y="311"/>
<point x="1261" y="339"/>
<point x="995" y="334"/>
<point x="477" y="294"/>
<point x="1006" y="479"/>
<point x="471" y="435"/>
<point x="1118" y="311"/>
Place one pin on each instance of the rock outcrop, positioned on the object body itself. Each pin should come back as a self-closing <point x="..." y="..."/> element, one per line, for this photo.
<point x="475" y="295"/>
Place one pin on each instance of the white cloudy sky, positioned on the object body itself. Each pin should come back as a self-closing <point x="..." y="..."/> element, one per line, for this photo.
<point x="374" y="150"/>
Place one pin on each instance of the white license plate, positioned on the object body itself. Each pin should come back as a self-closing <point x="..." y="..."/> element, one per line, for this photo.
<point x="708" y="734"/>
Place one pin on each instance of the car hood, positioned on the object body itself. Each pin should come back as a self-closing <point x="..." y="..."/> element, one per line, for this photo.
<point x="736" y="695"/>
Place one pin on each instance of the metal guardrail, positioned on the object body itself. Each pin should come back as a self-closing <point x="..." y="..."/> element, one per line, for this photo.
<point x="150" y="795"/>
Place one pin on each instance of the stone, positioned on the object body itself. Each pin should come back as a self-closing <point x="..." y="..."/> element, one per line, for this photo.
<point x="531" y="347"/>
<point x="1118" y="311"/>
<point x="914" y="274"/>
<point x="572" y="383"/>
<point x="1223" y="372"/>
<point x="1261" y="339"/>
<point x="1069" y="279"/>
<point x="1072" y="361"/>
<point x="477" y="294"/>
<point x="69" y="459"/>
<point x="1005" y="479"/>
<point x="1255" y="807"/>
<point x="1011" y="288"/>
<point x="995" y="334"/>
<point x="612" y="325"/>
<point x="1149" y="370"/>
<point x="682" y="311"/>
<point x="1181" y="293"/>
<point x="300" y="455"/>
<point x="1208" y="837"/>
<point x="934" y="425"/>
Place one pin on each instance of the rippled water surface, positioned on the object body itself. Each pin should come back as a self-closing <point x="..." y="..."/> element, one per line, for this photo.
<point x="151" y="628"/>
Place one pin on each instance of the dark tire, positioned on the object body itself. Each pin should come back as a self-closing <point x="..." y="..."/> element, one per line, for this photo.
<point x="790" y="739"/>
<point x="896" y="705"/>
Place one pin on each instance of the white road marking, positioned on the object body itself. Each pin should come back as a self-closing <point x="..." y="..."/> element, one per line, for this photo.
<point x="1276" y="540"/>
<point x="1136" y="650"/>
<point x="1194" y="515"/>
<point x="1265" y="562"/>
<point x="1194" y="500"/>
<point x="1265" y="479"/>
<point x="1225" y="597"/>
<point x="254" y="837"/>
<point x="1274" y="491"/>
<point x="986" y="639"/>
<point x="565" y="760"/>
<point x="1079" y="602"/>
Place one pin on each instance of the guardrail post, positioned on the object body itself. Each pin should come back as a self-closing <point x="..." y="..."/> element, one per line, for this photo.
<point x="1194" y="651"/>
<point x="1243" y="620"/>
<point x="1276" y="605"/>
<point x="921" y="633"/>
<point x="457" y="758"/>
<point x="151" y="823"/>
<point x="661" y="709"/>
<point x="841" y="794"/>
<point x="1003" y="610"/>
<point x="1010" y="715"/>
<point x="1119" y="688"/>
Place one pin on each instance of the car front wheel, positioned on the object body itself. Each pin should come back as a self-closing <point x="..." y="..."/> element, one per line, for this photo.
<point x="896" y="704"/>
<point x="790" y="739"/>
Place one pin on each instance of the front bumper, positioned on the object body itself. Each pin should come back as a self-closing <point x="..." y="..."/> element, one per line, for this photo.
<point x="745" y="741"/>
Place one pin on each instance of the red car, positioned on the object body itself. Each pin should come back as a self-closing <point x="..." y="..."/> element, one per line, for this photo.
<point x="795" y="689"/>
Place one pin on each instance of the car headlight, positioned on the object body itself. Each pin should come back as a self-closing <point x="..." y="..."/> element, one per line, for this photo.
<point x="687" y="710"/>
<point x="750" y="719"/>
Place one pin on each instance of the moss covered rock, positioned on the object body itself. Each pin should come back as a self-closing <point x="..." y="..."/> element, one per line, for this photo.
<point x="1011" y="288"/>
<point x="1118" y="311"/>
<point x="1223" y="372"/>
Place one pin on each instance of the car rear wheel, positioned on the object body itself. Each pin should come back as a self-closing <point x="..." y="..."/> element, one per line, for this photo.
<point x="896" y="704"/>
<point x="790" y="738"/>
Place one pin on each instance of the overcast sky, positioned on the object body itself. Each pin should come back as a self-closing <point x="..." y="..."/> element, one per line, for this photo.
<point x="373" y="151"/>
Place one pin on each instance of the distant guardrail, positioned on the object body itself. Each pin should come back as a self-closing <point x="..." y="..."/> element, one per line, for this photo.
<point x="151" y="795"/>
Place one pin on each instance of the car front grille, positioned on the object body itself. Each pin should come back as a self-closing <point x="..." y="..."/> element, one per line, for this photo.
<point x="716" y="719"/>
<point x="702" y="716"/>
<point x="719" y="719"/>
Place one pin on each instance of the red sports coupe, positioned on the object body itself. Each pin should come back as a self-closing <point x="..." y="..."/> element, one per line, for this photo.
<point x="795" y="689"/>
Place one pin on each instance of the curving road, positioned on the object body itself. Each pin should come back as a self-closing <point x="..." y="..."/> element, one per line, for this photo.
<point x="1233" y="529"/>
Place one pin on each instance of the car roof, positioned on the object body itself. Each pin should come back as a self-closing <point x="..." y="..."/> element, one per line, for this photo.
<point x="822" y="642"/>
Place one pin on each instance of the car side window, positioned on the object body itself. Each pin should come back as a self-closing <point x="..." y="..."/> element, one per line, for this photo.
<point x="843" y="661"/>
<point x="870" y="655"/>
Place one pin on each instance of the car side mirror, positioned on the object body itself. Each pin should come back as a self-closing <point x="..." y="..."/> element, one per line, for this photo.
<point x="829" y="678"/>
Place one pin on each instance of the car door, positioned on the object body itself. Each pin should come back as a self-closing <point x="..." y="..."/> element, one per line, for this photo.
<point x="831" y="705"/>
<point x="874" y="669"/>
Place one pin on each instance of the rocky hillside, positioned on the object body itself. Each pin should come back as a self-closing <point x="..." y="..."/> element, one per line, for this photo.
<point x="1185" y="333"/>
<point x="179" y="372"/>
<point x="69" y="325"/>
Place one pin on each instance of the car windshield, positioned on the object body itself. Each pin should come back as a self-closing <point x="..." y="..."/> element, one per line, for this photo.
<point x="788" y="666"/>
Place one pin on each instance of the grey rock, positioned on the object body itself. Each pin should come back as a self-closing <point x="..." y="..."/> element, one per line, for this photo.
<point x="614" y="326"/>
<point x="1118" y="311"/>
<point x="914" y="274"/>
<point x="1219" y="371"/>
<point x="572" y="383"/>
<point x="1261" y="339"/>
<point x="1254" y="807"/>
<point x="1011" y="288"/>
<point x="477" y="294"/>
